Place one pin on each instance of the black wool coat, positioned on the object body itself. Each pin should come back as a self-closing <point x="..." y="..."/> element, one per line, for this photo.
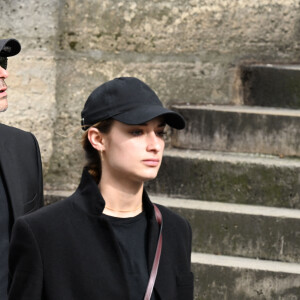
<point x="20" y="163"/>
<point x="68" y="251"/>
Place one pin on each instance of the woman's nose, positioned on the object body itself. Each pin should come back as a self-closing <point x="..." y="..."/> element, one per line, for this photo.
<point x="153" y="142"/>
<point x="3" y="73"/>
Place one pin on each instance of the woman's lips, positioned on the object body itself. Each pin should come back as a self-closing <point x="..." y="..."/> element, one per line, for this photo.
<point x="3" y="94"/>
<point x="151" y="162"/>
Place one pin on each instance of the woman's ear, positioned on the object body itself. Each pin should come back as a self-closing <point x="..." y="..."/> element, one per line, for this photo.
<point x="96" y="139"/>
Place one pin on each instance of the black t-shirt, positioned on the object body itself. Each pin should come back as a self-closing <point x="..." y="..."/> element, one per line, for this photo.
<point x="131" y="234"/>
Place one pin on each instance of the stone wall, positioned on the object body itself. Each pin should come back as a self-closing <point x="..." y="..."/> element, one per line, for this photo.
<point x="187" y="51"/>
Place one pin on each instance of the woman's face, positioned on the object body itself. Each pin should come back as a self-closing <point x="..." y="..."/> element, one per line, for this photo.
<point x="133" y="152"/>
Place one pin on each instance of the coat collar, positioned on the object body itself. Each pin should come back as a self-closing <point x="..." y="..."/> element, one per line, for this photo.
<point x="90" y="200"/>
<point x="10" y="171"/>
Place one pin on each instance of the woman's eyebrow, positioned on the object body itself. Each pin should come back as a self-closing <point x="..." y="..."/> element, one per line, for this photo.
<point x="162" y="124"/>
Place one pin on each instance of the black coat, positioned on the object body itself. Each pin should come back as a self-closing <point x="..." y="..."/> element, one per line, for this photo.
<point x="21" y="166"/>
<point x="68" y="251"/>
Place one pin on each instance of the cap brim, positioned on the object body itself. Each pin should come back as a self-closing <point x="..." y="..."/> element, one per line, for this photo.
<point x="9" y="47"/>
<point x="144" y="114"/>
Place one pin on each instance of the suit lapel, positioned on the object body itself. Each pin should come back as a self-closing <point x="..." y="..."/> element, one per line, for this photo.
<point x="11" y="177"/>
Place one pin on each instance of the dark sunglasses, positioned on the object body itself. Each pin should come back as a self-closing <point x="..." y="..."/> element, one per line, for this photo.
<point x="3" y="62"/>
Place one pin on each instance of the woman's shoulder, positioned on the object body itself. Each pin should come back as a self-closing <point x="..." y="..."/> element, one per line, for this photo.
<point x="50" y="222"/>
<point x="50" y="213"/>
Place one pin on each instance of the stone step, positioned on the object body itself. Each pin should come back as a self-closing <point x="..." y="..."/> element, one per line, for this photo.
<point x="240" y="230"/>
<point x="229" y="177"/>
<point x="232" y="229"/>
<point x="272" y="85"/>
<point x="235" y="278"/>
<point x="239" y="129"/>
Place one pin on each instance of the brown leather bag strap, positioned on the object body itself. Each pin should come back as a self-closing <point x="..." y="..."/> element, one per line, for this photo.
<point x="153" y="273"/>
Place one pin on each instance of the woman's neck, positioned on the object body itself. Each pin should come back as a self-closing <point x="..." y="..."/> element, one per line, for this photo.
<point x="121" y="201"/>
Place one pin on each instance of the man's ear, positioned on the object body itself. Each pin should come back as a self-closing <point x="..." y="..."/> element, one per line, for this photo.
<point x="96" y="139"/>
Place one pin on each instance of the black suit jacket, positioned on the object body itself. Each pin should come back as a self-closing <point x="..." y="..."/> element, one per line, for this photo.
<point x="67" y="251"/>
<point x="20" y="162"/>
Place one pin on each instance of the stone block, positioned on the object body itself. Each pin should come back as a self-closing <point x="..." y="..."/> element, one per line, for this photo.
<point x="239" y="129"/>
<point x="240" y="230"/>
<point x="271" y="85"/>
<point x="228" y="177"/>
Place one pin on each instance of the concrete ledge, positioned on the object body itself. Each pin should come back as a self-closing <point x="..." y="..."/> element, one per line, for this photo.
<point x="253" y="210"/>
<point x="245" y="263"/>
<point x="239" y="129"/>
<point x="234" y="158"/>
<point x="226" y="177"/>
<point x="257" y="110"/>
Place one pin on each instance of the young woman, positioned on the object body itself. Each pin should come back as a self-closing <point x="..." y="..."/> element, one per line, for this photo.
<point x="100" y="243"/>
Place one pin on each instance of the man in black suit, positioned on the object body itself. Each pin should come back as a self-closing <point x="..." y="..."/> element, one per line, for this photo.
<point x="21" y="181"/>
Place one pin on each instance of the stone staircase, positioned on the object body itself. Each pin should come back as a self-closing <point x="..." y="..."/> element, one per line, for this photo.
<point x="234" y="173"/>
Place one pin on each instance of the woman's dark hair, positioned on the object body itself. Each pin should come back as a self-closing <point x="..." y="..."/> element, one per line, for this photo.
<point x="93" y="158"/>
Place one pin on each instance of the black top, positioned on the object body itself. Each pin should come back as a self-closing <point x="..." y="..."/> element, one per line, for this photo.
<point x="131" y="236"/>
<point x="4" y="241"/>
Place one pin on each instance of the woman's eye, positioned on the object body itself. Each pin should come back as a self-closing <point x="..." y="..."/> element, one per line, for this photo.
<point x="136" y="132"/>
<point x="161" y="134"/>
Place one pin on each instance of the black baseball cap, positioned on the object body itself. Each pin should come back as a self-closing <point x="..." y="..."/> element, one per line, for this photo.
<point x="128" y="100"/>
<point x="9" y="47"/>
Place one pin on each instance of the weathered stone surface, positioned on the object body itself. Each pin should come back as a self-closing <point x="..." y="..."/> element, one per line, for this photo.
<point x="217" y="36"/>
<point x="219" y="283"/>
<point x="232" y="178"/>
<point x="244" y="235"/>
<point x="176" y="27"/>
<point x="33" y="23"/>
<point x="239" y="129"/>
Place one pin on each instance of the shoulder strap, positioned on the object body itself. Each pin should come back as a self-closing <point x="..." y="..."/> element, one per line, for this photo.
<point x="153" y="273"/>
